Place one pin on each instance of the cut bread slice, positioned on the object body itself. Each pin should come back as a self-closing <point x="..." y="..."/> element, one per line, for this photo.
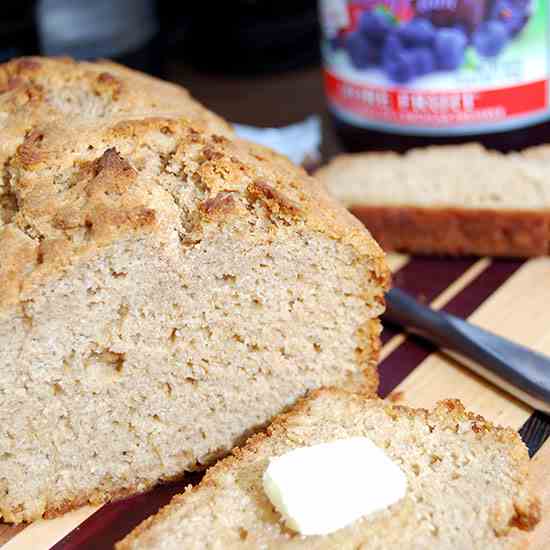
<point x="468" y="485"/>
<point x="449" y="200"/>
<point x="163" y="291"/>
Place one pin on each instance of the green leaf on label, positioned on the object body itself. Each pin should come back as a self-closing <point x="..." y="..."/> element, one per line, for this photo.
<point x="471" y="59"/>
<point x="384" y="10"/>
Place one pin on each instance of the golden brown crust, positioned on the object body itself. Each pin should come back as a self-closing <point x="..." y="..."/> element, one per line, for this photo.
<point x="44" y="100"/>
<point x="94" y="499"/>
<point x="274" y="200"/>
<point x="111" y="88"/>
<point x="70" y="186"/>
<point x="367" y="352"/>
<point x="218" y="206"/>
<point x="97" y="498"/>
<point x="456" y="231"/>
<point x="107" y="197"/>
<point x="527" y="517"/>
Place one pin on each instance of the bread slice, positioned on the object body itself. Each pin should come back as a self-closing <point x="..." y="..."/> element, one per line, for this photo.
<point x="163" y="291"/>
<point x="467" y="483"/>
<point x="449" y="200"/>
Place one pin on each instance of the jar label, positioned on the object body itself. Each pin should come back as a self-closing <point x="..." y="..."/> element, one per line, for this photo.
<point x="437" y="67"/>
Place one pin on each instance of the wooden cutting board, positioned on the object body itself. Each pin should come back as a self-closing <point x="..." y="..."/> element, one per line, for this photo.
<point x="511" y="298"/>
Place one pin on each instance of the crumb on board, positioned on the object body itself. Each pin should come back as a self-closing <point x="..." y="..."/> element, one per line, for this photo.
<point x="396" y="396"/>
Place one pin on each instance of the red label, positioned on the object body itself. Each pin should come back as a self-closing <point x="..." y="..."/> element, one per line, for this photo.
<point x="400" y="105"/>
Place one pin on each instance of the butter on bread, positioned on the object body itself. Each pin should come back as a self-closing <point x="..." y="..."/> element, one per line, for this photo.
<point x="165" y="289"/>
<point x="295" y="483"/>
<point x="468" y="483"/>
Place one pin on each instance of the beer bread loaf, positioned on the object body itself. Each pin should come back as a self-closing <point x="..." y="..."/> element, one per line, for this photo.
<point x="164" y="288"/>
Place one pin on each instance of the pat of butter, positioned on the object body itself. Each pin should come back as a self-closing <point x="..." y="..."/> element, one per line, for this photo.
<point x="325" y="487"/>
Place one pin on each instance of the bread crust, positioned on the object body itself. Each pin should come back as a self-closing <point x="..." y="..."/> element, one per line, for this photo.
<point x="32" y="253"/>
<point x="457" y="231"/>
<point x="475" y="201"/>
<point x="33" y="87"/>
<point x="39" y="133"/>
<point x="37" y="143"/>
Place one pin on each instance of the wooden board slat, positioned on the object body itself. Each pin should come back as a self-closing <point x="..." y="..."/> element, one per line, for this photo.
<point x="7" y="532"/>
<point x="402" y="362"/>
<point x="440" y="300"/>
<point x="517" y="310"/>
<point x="397" y="261"/>
<point x="43" y="534"/>
<point x="439" y="378"/>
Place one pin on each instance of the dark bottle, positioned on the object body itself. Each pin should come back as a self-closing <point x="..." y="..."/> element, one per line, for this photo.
<point x="18" y="34"/>
<point x="410" y="73"/>
<point x="123" y="30"/>
<point x="243" y="37"/>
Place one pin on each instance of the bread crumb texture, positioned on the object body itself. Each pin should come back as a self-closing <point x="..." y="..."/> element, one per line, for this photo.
<point x="468" y="485"/>
<point x="164" y="288"/>
<point x="442" y="176"/>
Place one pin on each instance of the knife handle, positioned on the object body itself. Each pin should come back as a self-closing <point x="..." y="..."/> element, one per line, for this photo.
<point x="514" y="368"/>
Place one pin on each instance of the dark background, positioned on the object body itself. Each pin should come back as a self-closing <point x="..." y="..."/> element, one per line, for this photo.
<point x="252" y="62"/>
<point x="258" y="63"/>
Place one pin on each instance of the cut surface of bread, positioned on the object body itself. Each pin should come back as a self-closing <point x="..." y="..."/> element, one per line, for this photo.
<point x="468" y="485"/>
<point x="163" y="291"/>
<point x="450" y="200"/>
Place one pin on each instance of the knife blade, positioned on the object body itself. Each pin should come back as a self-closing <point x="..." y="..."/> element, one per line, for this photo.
<point x="516" y="369"/>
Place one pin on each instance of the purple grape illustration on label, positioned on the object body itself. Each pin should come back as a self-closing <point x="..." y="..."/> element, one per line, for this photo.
<point x="513" y="14"/>
<point x="375" y="25"/>
<point x="450" y="47"/>
<point x="435" y="37"/>
<point x="362" y="52"/>
<point x="434" y="65"/>
<point x="398" y="62"/>
<point x="418" y="32"/>
<point x="490" y="38"/>
<point x="468" y="14"/>
<point x="425" y="60"/>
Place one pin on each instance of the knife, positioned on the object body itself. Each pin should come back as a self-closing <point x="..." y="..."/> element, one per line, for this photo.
<point x="519" y="371"/>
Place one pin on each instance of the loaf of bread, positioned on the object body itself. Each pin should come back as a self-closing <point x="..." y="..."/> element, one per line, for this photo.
<point x="35" y="90"/>
<point x="164" y="290"/>
<point x="468" y="485"/>
<point x="451" y="200"/>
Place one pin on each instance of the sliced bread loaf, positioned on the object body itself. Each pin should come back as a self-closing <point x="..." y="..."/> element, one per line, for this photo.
<point x="468" y="485"/>
<point x="449" y="200"/>
<point x="163" y="291"/>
